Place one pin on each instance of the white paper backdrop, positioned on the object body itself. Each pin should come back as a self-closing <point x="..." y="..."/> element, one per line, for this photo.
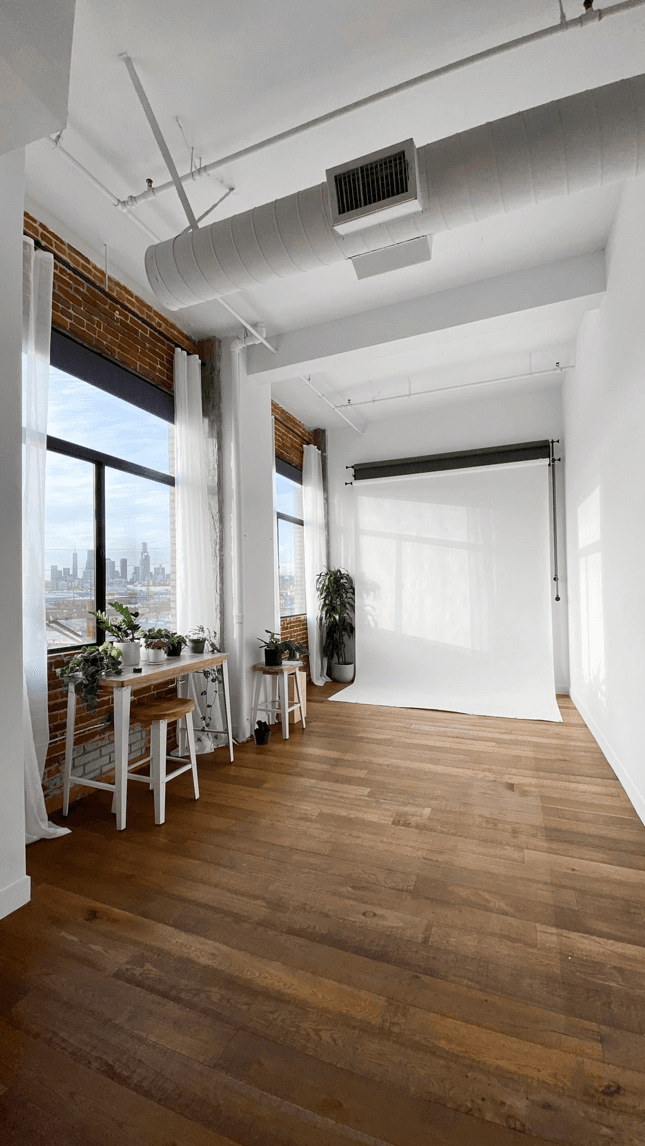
<point x="453" y="586"/>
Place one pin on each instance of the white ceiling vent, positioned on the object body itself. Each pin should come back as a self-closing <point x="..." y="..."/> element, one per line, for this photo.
<point x="374" y="188"/>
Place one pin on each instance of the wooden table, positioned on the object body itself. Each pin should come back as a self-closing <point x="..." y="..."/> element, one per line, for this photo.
<point x="121" y="688"/>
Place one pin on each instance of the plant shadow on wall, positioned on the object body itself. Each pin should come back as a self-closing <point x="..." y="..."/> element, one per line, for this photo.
<point x="336" y="599"/>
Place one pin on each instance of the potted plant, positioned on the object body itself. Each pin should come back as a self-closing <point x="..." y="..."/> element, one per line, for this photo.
<point x="336" y="616"/>
<point x="202" y="640"/>
<point x="86" y="668"/>
<point x="125" y="629"/>
<point x="174" y="643"/>
<point x="262" y="732"/>
<point x="275" y="648"/>
<point x="155" y="644"/>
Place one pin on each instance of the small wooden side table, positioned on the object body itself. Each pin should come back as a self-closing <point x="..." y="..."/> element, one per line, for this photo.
<point x="281" y="673"/>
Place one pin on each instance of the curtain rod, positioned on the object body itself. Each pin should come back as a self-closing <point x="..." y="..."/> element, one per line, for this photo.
<point x="106" y="293"/>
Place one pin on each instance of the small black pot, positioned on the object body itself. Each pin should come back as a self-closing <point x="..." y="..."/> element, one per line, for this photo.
<point x="272" y="658"/>
<point x="262" y="735"/>
<point x="174" y="650"/>
<point x="196" y="644"/>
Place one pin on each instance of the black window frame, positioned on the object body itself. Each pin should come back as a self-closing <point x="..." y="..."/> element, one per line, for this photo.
<point x="286" y="469"/>
<point x="89" y="366"/>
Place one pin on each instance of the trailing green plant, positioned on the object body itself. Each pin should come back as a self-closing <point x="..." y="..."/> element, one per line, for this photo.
<point x="86" y="668"/>
<point x="123" y="628"/>
<point x="336" y="599"/>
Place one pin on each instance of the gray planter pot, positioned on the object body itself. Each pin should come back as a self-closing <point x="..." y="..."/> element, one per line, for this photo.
<point x="344" y="673"/>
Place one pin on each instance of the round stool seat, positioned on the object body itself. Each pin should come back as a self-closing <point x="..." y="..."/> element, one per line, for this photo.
<point x="172" y="708"/>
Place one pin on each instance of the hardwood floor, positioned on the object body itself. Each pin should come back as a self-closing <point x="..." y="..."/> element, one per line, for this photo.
<point x="398" y="927"/>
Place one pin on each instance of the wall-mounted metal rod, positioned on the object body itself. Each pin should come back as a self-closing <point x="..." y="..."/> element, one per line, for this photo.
<point x="554" y="502"/>
<point x="158" y="134"/>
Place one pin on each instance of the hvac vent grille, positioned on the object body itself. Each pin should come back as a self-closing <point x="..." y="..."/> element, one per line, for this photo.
<point x="372" y="182"/>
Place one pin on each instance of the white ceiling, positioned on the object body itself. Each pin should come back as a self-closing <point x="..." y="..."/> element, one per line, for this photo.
<point x="236" y="74"/>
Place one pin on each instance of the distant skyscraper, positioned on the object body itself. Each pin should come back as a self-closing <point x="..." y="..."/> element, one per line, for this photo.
<point x="75" y="565"/>
<point x="124" y="568"/>
<point x="89" y="564"/>
<point x="136" y="574"/>
<point x="110" y="568"/>
<point x="144" y="563"/>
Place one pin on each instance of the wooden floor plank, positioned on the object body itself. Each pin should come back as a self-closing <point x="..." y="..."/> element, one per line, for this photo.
<point x="399" y="928"/>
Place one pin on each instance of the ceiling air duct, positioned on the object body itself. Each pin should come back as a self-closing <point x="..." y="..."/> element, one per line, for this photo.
<point x="560" y="148"/>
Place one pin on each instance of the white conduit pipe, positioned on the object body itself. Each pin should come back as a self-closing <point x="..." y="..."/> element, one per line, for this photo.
<point x="591" y="17"/>
<point x="102" y="188"/>
<point x="586" y="140"/>
<point x="235" y="630"/>
<point x="453" y="389"/>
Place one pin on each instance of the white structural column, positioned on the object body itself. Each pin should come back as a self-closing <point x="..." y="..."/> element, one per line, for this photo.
<point x="249" y="556"/>
<point x="14" y="883"/>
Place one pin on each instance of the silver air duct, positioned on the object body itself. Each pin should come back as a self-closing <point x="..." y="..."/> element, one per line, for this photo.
<point x="560" y="148"/>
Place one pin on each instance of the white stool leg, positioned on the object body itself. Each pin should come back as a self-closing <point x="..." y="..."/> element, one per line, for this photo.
<point x="158" y="735"/>
<point x="227" y="709"/>
<point x="273" y="687"/>
<point x="284" y="704"/>
<point x="191" y="748"/>
<point x="256" y="699"/>
<point x="69" y="745"/>
<point x="299" y="696"/>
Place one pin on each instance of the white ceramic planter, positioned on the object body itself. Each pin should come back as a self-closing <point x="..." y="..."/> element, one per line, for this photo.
<point x="344" y="673"/>
<point x="130" y="652"/>
<point x="156" y="656"/>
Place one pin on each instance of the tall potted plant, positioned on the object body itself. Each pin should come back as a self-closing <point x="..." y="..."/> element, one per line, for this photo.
<point x="336" y="616"/>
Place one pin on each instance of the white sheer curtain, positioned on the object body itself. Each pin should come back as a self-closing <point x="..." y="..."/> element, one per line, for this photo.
<point x="196" y="603"/>
<point x="315" y="555"/>
<point x="38" y="271"/>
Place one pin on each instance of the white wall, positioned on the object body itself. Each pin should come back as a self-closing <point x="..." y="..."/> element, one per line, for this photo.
<point x="455" y="422"/>
<point x="14" y="884"/>
<point x="249" y="557"/>
<point x="604" y="416"/>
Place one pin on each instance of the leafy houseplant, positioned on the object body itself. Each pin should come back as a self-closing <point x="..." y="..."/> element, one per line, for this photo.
<point x="125" y="629"/>
<point x="86" y="668"/>
<point x="336" y="615"/>
<point x="172" y="643"/>
<point x="275" y="648"/>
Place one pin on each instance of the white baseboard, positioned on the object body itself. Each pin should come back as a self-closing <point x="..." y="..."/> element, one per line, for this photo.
<point x="636" y="798"/>
<point x="14" y="896"/>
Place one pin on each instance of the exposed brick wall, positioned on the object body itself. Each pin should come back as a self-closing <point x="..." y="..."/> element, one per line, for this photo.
<point x="291" y="436"/>
<point x="84" y="312"/>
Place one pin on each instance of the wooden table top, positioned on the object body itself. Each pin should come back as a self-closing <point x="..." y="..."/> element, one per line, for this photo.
<point x="169" y="669"/>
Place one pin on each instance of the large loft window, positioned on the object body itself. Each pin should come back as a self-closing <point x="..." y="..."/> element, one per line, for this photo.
<point x="108" y="496"/>
<point x="290" y="535"/>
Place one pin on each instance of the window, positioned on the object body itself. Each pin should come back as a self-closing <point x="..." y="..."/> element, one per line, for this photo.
<point x="291" y="544"/>
<point x="108" y="496"/>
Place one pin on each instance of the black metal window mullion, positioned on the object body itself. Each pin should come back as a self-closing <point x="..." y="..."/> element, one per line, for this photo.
<point x="287" y="517"/>
<point x="99" y="546"/>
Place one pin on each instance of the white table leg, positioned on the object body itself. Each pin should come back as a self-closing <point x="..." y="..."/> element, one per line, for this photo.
<point x="257" y="688"/>
<point x="227" y="708"/>
<point x="121" y="751"/>
<point x="69" y="744"/>
<point x="284" y="703"/>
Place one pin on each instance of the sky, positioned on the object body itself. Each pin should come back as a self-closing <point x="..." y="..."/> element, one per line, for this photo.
<point x="137" y="509"/>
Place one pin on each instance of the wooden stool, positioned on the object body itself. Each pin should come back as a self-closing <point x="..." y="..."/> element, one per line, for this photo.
<point x="155" y="714"/>
<point x="279" y="673"/>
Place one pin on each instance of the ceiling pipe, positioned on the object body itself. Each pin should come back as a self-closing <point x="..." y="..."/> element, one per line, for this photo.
<point x="101" y="187"/>
<point x="557" y="369"/>
<point x="564" y="25"/>
<point x="583" y="141"/>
